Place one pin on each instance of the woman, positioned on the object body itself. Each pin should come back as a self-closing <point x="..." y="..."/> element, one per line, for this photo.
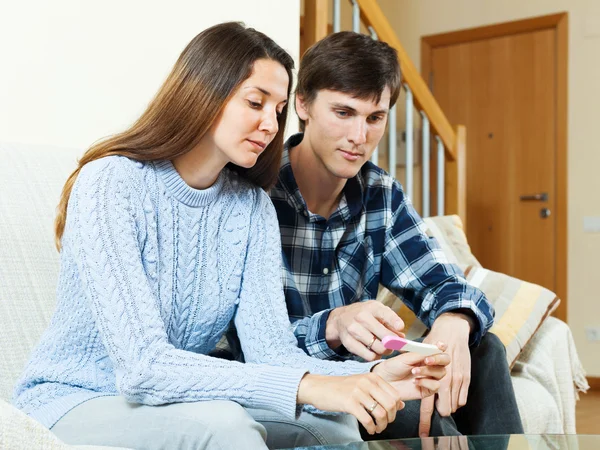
<point x="165" y="236"/>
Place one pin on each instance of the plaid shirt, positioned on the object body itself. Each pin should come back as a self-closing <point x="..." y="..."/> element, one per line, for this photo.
<point x="374" y="237"/>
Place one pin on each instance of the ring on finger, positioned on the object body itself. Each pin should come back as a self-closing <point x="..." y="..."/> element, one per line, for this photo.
<point x="372" y="342"/>
<point x="372" y="407"/>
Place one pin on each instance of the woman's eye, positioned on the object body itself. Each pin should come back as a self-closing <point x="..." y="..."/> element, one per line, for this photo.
<point x="254" y="105"/>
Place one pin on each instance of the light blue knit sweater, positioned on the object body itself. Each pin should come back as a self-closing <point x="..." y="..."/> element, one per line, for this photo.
<point x="152" y="272"/>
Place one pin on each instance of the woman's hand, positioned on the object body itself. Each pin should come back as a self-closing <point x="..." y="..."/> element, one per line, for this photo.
<point x="414" y="376"/>
<point x="368" y="397"/>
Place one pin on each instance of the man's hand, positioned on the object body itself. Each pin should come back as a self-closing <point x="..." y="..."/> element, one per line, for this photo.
<point x="454" y="330"/>
<point x="361" y="326"/>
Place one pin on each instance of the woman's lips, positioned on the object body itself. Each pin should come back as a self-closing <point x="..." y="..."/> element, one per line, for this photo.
<point x="257" y="144"/>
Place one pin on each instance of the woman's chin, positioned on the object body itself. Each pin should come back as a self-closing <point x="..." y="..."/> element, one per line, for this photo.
<point x="247" y="162"/>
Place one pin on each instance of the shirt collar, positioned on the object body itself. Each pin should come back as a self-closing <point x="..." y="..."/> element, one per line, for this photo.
<point x="351" y="202"/>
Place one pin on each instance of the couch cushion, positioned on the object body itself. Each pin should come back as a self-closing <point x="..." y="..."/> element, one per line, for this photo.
<point x="31" y="179"/>
<point x="450" y="234"/>
<point x="521" y="307"/>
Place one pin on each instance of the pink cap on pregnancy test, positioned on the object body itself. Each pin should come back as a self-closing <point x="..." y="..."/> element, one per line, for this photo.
<point x="404" y="345"/>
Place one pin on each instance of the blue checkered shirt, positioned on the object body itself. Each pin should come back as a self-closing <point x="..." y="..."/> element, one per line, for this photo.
<point x="374" y="237"/>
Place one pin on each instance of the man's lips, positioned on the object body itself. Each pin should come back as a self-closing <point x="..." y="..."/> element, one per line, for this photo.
<point x="350" y="156"/>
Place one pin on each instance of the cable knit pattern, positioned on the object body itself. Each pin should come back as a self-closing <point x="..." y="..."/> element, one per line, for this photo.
<point x="152" y="272"/>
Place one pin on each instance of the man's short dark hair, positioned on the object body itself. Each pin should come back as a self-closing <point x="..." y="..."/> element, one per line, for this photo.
<point x="351" y="63"/>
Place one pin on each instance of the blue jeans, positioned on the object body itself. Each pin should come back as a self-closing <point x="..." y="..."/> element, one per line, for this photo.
<point x="491" y="405"/>
<point x="223" y="425"/>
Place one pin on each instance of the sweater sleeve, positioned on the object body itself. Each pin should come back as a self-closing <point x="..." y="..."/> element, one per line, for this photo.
<point x="261" y="319"/>
<point x="106" y="214"/>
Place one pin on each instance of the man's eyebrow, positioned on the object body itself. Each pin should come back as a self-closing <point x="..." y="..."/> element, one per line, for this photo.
<point x="264" y="91"/>
<point x="350" y="108"/>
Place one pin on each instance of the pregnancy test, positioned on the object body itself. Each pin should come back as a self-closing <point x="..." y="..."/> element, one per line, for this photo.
<point x="404" y="345"/>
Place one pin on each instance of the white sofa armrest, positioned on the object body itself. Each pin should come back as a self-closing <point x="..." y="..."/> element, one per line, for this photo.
<point x="20" y="432"/>
<point x="550" y="359"/>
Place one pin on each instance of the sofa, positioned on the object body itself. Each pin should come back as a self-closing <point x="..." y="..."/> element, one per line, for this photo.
<point x="546" y="370"/>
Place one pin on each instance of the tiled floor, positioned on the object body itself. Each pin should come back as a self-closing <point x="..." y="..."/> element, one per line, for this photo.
<point x="588" y="413"/>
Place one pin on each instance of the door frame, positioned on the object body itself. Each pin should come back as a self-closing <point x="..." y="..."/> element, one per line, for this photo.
<point x="560" y="23"/>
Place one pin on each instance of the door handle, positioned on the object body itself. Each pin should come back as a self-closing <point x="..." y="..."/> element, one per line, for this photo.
<point x="543" y="197"/>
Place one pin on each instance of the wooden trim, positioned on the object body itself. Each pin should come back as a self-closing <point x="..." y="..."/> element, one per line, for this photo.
<point x="456" y="178"/>
<point x="594" y="383"/>
<point x="562" y="69"/>
<point x="496" y="30"/>
<point x="315" y="21"/>
<point x="303" y="46"/>
<point x="372" y="15"/>
<point x="560" y="22"/>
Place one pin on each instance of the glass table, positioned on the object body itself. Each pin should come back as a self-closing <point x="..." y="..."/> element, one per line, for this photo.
<point x="500" y="442"/>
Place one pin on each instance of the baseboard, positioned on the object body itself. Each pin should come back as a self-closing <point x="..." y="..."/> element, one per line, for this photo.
<point x="594" y="383"/>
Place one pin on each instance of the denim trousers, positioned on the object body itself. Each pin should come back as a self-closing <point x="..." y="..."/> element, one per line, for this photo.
<point x="491" y="409"/>
<point x="221" y="425"/>
<point x="491" y="405"/>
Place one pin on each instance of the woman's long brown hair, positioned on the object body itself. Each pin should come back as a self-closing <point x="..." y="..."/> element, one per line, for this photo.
<point x="204" y="78"/>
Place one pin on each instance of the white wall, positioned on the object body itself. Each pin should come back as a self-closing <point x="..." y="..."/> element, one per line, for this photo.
<point x="413" y="19"/>
<point x="75" y="71"/>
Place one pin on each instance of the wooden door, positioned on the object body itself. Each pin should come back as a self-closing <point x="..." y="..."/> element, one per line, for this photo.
<point x="504" y="90"/>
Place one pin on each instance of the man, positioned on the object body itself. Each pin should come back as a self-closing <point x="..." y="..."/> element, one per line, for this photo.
<point x="347" y="227"/>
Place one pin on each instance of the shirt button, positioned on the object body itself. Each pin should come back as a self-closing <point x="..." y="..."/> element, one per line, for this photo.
<point x="306" y="213"/>
<point x="325" y="271"/>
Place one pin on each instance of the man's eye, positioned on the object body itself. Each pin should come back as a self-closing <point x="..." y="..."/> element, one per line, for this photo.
<point x="342" y="113"/>
<point x="375" y="118"/>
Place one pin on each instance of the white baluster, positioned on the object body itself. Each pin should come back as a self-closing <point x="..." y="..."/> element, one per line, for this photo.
<point x="373" y="33"/>
<point x="425" y="165"/>
<point x="337" y="14"/>
<point x="441" y="176"/>
<point x="392" y="144"/>
<point x="409" y="143"/>
<point x="355" y="16"/>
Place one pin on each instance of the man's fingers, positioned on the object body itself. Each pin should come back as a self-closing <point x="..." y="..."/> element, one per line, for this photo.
<point x="442" y="346"/>
<point x="358" y="348"/>
<point x="427" y="405"/>
<point x="369" y="331"/>
<point x="457" y="381"/>
<point x="387" y="316"/>
<point x="444" y="400"/>
<point x="464" y="392"/>
<point x="377" y="329"/>
<point x="361" y="334"/>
